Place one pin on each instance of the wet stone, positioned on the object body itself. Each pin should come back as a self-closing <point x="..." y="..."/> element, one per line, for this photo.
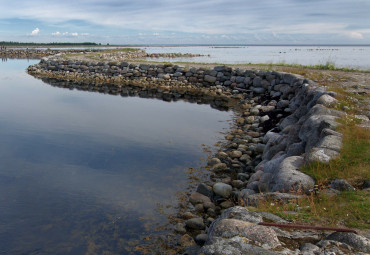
<point x="219" y="167"/>
<point x="214" y="161"/>
<point x="201" y="239"/>
<point x="236" y="154"/>
<point x="195" y="223"/>
<point x="205" y="190"/>
<point x="186" y="241"/>
<point x="180" y="228"/>
<point x="188" y="215"/>
<point x="197" y="198"/>
<point x="199" y="208"/>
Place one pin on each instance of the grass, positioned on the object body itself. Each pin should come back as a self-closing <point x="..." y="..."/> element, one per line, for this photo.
<point x="327" y="66"/>
<point x="354" y="162"/>
<point x="349" y="209"/>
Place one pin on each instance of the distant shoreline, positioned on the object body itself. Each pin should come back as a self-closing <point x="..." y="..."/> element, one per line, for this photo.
<point x="92" y="44"/>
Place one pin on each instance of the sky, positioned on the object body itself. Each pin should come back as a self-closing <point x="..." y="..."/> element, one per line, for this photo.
<point x="186" y="21"/>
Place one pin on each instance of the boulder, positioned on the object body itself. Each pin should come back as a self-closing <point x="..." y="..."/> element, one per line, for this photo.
<point x="287" y="176"/>
<point x="222" y="189"/>
<point x="357" y="242"/>
<point x="210" y="79"/>
<point x="228" y="228"/>
<point x="241" y="213"/>
<point x="311" y="129"/>
<point x="341" y="185"/>
<point x="186" y="241"/>
<point x="219" y="167"/>
<point x="197" y="198"/>
<point x="322" y="155"/>
<point x="327" y="100"/>
<point x="205" y="190"/>
<point x="233" y="246"/>
<point x="195" y="223"/>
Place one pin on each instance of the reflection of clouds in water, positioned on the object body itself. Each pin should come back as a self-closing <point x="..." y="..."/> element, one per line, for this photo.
<point x="73" y="162"/>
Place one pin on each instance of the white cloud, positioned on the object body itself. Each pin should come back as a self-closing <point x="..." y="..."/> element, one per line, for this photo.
<point x="278" y="19"/>
<point x="36" y="31"/>
<point x="356" y="35"/>
<point x="56" y="33"/>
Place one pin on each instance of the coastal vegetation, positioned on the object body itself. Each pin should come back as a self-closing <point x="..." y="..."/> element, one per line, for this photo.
<point x="348" y="208"/>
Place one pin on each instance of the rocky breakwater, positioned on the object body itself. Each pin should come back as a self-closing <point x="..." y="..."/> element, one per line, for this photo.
<point x="282" y="122"/>
<point x="25" y="53"/>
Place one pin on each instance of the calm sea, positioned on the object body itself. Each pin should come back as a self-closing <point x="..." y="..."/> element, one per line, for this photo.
<point x="342" y="56"/>
<point x="91" y="173"/>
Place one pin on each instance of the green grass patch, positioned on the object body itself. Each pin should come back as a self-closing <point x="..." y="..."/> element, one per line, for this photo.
<point x="354" y="162"/>
<point x="349" y="209"/>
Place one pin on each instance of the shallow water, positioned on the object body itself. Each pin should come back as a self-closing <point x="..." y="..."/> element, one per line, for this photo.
<point x="87" y="173"/>
<point x="342" y="56"/>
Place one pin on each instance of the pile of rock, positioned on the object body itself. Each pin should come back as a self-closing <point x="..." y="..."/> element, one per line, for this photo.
<point x="38" y="53"/>
<point x="283" y="121"/>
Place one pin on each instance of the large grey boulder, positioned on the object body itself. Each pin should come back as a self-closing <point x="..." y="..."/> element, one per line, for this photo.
<point x="241" y="213"/>
<point x="228" y="228"/>
<point x="275" y="144"/>
<point x="327" y="148"/>
<point x="327" y="100"/>
<point x="310" y="131"/>
<point x="287" y="177"/>
<point x="357" y="242"/>
<point x="322" y="155"/>
<point x="281" y="174"/>
<point x="233" y="246"/>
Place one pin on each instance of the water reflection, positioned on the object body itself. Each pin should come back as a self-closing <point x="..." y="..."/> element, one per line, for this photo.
<point x="83" y="173"/>
<point x="134" y="91"/>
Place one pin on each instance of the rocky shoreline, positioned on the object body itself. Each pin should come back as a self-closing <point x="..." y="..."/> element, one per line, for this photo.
<point x="283" y="121"/>
<point x="115" y="55"/>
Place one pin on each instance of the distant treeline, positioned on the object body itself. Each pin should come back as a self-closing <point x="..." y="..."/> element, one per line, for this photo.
<point x="3" y="43"/>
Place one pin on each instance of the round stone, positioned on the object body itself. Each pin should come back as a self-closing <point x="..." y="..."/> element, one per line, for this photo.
<point x="222" y="189"/>
<point x="236" y="154"/>
<point x="195" y="223"/>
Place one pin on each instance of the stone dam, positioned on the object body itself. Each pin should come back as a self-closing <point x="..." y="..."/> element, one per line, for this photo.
<point x="282" y="122"/>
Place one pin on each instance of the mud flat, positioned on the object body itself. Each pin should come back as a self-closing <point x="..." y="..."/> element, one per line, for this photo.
<point x="282" y="122"/>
